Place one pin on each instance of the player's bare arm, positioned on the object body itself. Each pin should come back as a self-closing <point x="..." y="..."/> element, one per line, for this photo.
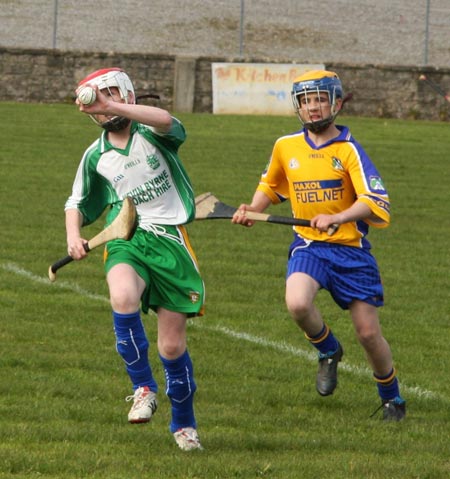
<point x="75" y="242"/>
<point x="259" y="204"/>
<point x="109" y="104"/>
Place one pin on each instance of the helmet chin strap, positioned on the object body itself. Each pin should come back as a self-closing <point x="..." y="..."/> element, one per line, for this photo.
<point x="117" y="123"/>
<point x="320" y="125"/>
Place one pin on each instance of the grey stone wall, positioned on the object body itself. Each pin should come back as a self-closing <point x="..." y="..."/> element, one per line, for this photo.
<point x="387" y="32"/>
<point x="51" y="76"/>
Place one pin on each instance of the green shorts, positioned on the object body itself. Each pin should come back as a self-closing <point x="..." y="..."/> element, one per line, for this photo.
<point x="164" y="259"/>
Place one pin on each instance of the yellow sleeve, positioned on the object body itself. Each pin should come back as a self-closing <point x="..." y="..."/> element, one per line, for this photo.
<point x="273" y="181"/>
<point x="369" y="188"/>
<point x="380" y="211"/>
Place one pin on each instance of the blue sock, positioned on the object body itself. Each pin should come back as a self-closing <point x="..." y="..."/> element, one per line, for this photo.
<point x="325" y="342"/>
<point x="388" y="387"/>
<point x="180" y="388"/>
<point x="132" y="345"/>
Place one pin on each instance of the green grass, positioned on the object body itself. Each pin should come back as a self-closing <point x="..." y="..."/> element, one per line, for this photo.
<point x="62" y="385"/>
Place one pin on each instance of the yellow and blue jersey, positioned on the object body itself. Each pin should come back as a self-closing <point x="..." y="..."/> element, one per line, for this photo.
<point x="326" y="180"/>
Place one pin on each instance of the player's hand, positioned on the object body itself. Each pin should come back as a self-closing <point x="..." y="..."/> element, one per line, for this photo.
<point x="325" y="222"/>
<point x="75" y="248"/>
<point x="240" y="217"/>
<point x="101" y="104"/>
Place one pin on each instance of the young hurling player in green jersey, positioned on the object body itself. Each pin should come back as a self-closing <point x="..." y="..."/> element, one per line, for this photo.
<point x="328" y="178"/>
<point x="137" y="156"/>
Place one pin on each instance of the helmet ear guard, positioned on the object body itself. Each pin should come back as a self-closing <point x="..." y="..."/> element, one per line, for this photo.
<point x="313" y="83"/>
<point x="108" y="78"/>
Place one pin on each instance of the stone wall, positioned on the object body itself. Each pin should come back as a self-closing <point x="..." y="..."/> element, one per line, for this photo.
<point x="184" y="84"/>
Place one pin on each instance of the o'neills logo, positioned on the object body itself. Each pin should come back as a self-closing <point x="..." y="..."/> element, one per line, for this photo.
<point x="195" y="296"/>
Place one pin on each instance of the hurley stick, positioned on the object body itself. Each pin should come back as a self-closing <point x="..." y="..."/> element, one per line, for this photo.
<point x="208" y="207"/>
<point x="123" y="227"/>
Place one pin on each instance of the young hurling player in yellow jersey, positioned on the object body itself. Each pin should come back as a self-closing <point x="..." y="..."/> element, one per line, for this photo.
<point x="328" y="178"/>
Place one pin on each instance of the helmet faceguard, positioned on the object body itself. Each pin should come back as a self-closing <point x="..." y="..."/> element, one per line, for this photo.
<point x="315" y="82"/>
<point x="108" y="78"/>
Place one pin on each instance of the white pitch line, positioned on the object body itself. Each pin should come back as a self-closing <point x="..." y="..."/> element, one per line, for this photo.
<point x="14" y="268"/>
<point x="275" y="345"/>
<point x="310" y="356"/>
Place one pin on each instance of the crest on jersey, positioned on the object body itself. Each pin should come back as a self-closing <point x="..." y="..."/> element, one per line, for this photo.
<point x="293" y="163"/>
<point x="376" y="183"/>
<point x="337" y="164"/>
<point x="153" y="162"/>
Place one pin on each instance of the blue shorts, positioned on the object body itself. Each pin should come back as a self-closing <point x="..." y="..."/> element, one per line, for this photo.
<point x="347" y="272"/>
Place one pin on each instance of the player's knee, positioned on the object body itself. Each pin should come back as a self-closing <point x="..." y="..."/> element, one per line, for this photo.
<point x="299" y="310"/>
<point x="124" y="301"/>
<point x="368" y="337"/>
<point x="171" y="348"/>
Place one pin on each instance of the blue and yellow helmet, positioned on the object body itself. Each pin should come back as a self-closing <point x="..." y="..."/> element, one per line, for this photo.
<point x="314" y="82"/>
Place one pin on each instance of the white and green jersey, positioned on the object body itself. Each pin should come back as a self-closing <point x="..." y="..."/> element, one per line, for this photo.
<point x="148" y="170"/>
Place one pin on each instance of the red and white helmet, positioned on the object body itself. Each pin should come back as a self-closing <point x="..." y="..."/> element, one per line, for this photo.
<point x="107" y="78"/>
<point x="111" y="77"/>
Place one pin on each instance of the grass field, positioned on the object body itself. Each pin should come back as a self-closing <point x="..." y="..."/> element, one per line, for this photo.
<point x="62" y="385"/>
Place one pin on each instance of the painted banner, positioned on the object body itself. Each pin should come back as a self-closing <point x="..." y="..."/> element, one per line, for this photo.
<point x="255" y="88"/>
